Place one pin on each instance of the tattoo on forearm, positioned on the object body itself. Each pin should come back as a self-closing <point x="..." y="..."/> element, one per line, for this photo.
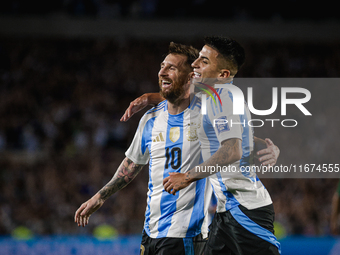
<point x="222" y="157"/>
<point x="126" y="172"/>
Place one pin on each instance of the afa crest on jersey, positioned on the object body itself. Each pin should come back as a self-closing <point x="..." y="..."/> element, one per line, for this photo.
<point x="174" y="134"/>
<point x="192" y="132"/>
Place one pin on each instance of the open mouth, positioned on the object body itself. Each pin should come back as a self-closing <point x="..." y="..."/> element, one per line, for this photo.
<point x="196" y="75"/>
<point x="166" y="84"/>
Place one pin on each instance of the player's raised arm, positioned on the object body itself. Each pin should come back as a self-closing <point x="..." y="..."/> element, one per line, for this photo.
<point x="140" y="103"/>
<point x="125" y="173"/>
<point x="229" y="152"/>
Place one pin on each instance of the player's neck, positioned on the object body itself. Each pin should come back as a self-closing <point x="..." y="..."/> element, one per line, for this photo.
<point x="178" y="106"/>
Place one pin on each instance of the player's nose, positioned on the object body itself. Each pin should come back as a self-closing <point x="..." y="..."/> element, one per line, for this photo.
<point x="162" y="72"/>
<point x="195" y="64"/>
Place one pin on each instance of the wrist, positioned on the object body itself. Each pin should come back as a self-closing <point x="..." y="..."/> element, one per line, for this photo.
<point x="188" y="177"/>
<point x="98" y="196"/>
<point x="149" y="99"/>
<point x="146" y="98"/>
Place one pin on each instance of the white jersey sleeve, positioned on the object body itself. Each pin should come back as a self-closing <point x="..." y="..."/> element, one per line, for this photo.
<point x="225" y="123"/>
<point x="138" y="151"/>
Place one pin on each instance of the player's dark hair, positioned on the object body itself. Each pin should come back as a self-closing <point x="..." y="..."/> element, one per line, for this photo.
<point x="187" y="50"/>
<point x="230" y="50"/>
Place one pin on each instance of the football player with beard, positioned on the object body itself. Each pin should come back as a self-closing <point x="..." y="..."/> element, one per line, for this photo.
<point x="173" y="224"/>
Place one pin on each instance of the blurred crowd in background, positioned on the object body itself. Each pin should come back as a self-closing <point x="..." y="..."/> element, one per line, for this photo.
<point x="61" y="139"/>
<point x="242" y="11"/>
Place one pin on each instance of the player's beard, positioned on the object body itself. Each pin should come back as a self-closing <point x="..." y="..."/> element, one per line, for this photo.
<point x="175" y="92"/>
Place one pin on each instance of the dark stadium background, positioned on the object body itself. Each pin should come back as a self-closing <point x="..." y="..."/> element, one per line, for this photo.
<point x="69" y="69"/>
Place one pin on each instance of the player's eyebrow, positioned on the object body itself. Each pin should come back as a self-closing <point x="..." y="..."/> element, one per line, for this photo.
<point x="170" y="64"/>
<point x="203" y="57"/>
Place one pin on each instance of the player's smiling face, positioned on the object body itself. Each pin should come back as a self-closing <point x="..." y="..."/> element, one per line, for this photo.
<point x="207" y="64"/>
<point x="173" y="76"/>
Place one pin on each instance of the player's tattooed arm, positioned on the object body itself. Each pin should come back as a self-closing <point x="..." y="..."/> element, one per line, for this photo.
<point x="125" y="173"/>
<point x="229" y="152"/>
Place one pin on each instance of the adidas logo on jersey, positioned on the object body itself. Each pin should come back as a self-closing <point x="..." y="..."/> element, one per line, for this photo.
<point x="159" y="138"/>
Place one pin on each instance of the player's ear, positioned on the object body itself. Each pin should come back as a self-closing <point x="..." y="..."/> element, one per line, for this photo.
<point x="224" y="73"/>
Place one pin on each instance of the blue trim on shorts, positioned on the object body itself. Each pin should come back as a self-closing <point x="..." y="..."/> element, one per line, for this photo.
<point x="189" y="246"/>
<point x="254" y="228"/>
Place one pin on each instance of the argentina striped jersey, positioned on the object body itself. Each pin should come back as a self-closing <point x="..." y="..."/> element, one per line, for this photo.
<point x="240" y="184"/>
<point x="170" y="144"/>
